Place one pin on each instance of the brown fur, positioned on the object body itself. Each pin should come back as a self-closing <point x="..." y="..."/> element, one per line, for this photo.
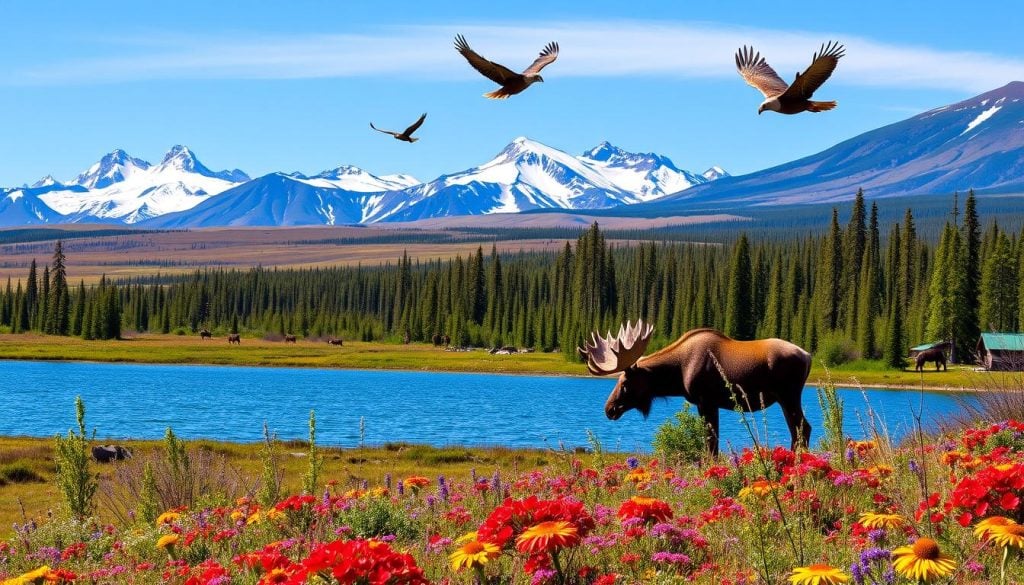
<point x="935" y="354"/>
<point x="290" y="339"/>
<point x="235" y="338"/>
<point x="763" y="372"/>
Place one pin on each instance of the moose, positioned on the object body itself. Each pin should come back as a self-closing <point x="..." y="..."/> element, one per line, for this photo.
<point x="701" y="366"/>
<point x="935" y="354"/>
<point x="335" y="341"/>
<point x="235" y="338"/>
<point x="290" y="339"/>
<point x="205" y="334"/>
<point x="108" y="453"/>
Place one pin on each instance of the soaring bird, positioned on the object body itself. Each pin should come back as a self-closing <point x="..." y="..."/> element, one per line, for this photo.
<point x="511" y="82"/>
<point x="407" y="134"/>
<point x="795" y="97"/>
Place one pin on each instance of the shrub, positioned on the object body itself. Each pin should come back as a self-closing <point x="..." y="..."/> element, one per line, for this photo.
<point x="71" y="457"/>
<point x="378" y="517"/>
<point x="682" y="439"/>
<point x="836" y="350"/>
<point x="19" y="472"/>
<point x="832" y="415"/>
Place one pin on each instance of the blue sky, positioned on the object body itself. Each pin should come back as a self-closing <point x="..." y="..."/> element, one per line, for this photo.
<point x="293" y="85"/>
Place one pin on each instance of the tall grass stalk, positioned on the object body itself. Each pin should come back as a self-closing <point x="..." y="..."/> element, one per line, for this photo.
<point x="270" y="486"/>
<point x="316" y="460"/>
<point x="834" y="439"/>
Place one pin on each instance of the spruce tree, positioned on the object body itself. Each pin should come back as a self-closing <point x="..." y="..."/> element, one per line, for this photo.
<point x="739" y="319"/>
<point x="970" y="297"/>
<point x="999" y="288"/>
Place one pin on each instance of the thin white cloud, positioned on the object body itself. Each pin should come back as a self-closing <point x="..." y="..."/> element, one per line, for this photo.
<point x="698" y="50"/>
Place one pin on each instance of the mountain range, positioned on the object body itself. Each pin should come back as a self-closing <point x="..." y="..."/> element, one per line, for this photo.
<point x="977" y="143"/>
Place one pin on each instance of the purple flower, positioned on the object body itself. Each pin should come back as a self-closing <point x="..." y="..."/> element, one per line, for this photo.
<point x="671" y="558"/>
<point x="633" y="462"/>
<point x="401" y="488"/>
<point x="542" y="576"/>
<point x="914" y="468"/>
<point x="496" y="482"/>
<point x="442" y="488"/>
<point x="387" y="481"/>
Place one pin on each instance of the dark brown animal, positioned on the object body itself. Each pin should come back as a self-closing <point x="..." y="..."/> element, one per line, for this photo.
<point x="696" y="367"/>
<point x="290" y="339"/>
<point x="109" y="453"/>
<point x="405" y="135"/>
<point x="446" y="340"/>
<point x="334" y="341"/>
<point x="235" y="338"/>
<point x="205" y="334"/>
<point x="934" y="354"/>
<point x="511" y="82"/>
<point x="436" y="339"/>
<point x="789" y="98"/>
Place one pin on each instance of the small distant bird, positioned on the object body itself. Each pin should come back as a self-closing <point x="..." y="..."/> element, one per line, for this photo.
<point x="795" y="97"/>
<point x="511" y="82"/>
<point x="407" y="134"/>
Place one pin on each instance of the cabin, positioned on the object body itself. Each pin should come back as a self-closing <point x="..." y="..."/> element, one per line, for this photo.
<point x="1001" y="351"/>
<point x="926" y="346"/>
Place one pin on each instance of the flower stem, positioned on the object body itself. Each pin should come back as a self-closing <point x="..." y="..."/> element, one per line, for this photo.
<point x="558" y="566"/>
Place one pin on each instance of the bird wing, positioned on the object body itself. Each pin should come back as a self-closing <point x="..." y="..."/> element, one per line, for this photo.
<point x="546" y="57"/>
<point x="758" y="73"/>
<point x="497" y="73"/>
<point x="822" y="66"/>
<point x="415" y="125"/>
<point x="383" y="131"/>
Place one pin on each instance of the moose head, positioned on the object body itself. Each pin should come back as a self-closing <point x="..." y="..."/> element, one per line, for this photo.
<point x="611" y="355"/>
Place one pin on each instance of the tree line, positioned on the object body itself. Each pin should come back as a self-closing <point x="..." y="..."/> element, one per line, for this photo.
<point x="853" y="291"/>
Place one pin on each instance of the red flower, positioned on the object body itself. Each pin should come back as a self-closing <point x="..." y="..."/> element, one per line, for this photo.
<point x="650" y="510"/>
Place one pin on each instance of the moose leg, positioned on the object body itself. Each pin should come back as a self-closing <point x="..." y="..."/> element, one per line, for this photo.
<point x="710" y="416"/>
<point x="799" y="428"/>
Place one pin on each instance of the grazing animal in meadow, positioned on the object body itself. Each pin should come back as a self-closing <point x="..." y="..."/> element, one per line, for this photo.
<point x="511" y="82"/>
<point x="436" y="339"/>
<point x="791" y="98"/>
<point x="696" y="367"/>
<point x="108" y="453"/>
<point x="334" y="341"/>
<point x="205" y="334"/>
<point x="935" y="354"/>
<point x="446" y="340"/>
<point x="290" y="339"/>
<point x="405" y="135"/>
<point x="235" y="338"/>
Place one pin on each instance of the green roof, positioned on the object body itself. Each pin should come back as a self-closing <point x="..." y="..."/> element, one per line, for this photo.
<point x="925" y="346"/>
<point x="1003" y="341"/>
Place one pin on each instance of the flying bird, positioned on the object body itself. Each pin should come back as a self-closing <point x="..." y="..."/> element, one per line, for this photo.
<point x="794" y="97"/>
<point x="407" y="134"/>
<point x="511" y="82"/>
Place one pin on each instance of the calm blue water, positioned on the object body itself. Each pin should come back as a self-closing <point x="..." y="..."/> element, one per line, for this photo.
<point x="232" y="403"/>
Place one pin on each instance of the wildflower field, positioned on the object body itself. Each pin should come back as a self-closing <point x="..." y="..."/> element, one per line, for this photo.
<point x="940" y="509"/>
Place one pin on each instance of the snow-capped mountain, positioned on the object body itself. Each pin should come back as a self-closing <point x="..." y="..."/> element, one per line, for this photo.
<point x="647" y="176"/>
<point x="530" y="175"/>
<point x="345" y="195"/>
<point x="714" y="173"/>
<point x="977" y="143"/>
<point x="47" y="181"/>
<point x="125" y="189"/>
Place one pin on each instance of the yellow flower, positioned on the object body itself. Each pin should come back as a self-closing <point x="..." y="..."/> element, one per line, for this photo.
<point x="759" y="488"/>
<point x="473" y="554"/>
<point x="167" y="518"/>
<point x="818" y="575"/>
<point x="33" y="576"/>
<point x="875" y="521"/>
<point x="237" y="515"/>
<point x="274" y="513"/>
<point x="923" y="561"/>
<point x="982" y="529"/>
<point x="467" y="537"/>
<point x="548" y="536"/>
<point x="377" y="492"/>
<point x="1009" y="535"/>
<point x="167" y="541"/>
<point x="254" y="518"/>
<point x="639" y="476"/>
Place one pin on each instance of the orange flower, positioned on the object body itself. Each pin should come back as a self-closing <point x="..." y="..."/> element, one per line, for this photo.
<point x="415" y="482"/>
<point x="548" y="536"/>
<point x="647" y="509"/>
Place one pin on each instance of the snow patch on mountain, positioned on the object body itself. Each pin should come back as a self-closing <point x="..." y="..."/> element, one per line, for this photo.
<point x="982" y="117"/>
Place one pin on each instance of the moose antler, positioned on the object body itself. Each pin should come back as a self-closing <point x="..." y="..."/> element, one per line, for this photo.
<point x="608" y="355"/>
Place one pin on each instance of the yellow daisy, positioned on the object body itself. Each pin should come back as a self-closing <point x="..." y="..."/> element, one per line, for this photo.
<point x="167" y="540"/>
<point x="982" y="528"/>
<point x="167" y="518"/>
<point x="875" y="521"/>
<point x="1009" y="535"/>
<point x="819" y="574"/>
<point x="33" y="576"/>
<point x="923" y="561"/>
<point x="472" y="555"/>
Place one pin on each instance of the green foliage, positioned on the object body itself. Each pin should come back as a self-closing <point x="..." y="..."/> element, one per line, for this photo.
<point x="836" y="349"/>
<point x="74" y="481"/>
<point x="377" y="517"/>
<point x="681" y="439"/>
<point x="270" y="484"/>
<point x="833" y="439"/>
<point x="149" y="498"/>
<point x="315" y="460"/>
<point x="19" y="472"/>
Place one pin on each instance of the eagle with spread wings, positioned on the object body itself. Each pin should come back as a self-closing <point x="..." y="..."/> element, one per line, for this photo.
<point x="511" y="82"/>
<point x="405" y="135"/>
<point x="795" y="97"/>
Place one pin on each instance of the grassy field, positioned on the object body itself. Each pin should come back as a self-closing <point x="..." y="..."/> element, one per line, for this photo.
<point x="176" y="349"/>
<point x="27" y="490"/>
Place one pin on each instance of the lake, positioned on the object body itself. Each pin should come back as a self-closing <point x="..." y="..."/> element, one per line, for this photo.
<point x="232" y="403"/>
